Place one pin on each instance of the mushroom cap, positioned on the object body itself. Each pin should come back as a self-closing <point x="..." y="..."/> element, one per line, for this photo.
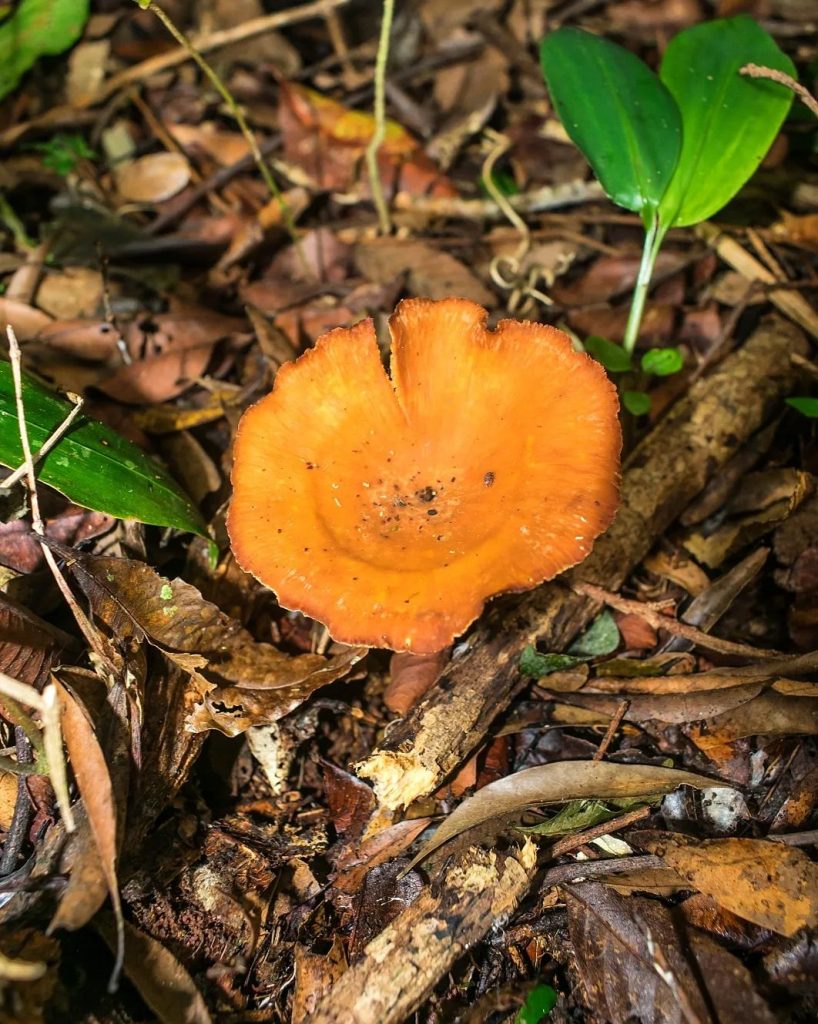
<point x="391" y="509"/>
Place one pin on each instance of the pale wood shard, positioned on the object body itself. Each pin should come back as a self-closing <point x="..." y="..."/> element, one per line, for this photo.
<point x="663" y="474"/>
<point x="402" y="964"/>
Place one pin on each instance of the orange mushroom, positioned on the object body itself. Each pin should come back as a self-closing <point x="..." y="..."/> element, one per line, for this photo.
<point x="390" y="510"/>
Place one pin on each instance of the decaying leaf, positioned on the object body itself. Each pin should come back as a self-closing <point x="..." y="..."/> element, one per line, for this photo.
<point x="94" y="783"/>
<point x="770" y="884"/>
<point x="161" y="980"/>
<point x="430" y="271"/>
<point x="243" y="682"/>
<point x="558" y="783"/>
<point x="29" y="646"/>
<point x="636" y="964"/>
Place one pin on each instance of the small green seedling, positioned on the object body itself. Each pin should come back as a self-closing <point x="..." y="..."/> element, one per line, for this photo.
<point x="63" y="151"/>
<point x="674" y="148"/>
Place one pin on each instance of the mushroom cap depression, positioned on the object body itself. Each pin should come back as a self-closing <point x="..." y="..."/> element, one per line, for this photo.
<point x="391" y="509"/>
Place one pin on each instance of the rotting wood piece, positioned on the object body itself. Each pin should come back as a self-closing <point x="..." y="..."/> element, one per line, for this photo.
<point x="402" y="964"/>
<point x="662" y="475"/>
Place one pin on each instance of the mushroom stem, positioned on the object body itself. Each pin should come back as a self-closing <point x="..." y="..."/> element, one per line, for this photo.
<point x="654" y="234"/>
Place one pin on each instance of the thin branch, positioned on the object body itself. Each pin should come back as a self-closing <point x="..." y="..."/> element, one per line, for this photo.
<point x="660" y="621"/>
<point x="774" y="75"/>
<point x="384" y="219"/>
<point x="45" y="448"/>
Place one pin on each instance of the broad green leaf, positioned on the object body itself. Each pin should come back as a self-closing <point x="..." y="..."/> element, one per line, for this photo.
<point x="612" y="356"/>
<point x="557" y="783"/>
<point x="37" y="28"/>
<point x="806" y="406"/>
<point x="617" y="112"/>
<point x="601" y="637"/>
<point x="92" y="465"/>
<point x="532" y="663"/>
<point x="729" y="120"/>
<point x="539" y="1002"/>
<point x="637" y="403"/>
<point x="662" y="361"/>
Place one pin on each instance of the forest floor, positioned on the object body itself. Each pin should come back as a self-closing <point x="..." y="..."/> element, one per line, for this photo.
<point x="256" y="793"/>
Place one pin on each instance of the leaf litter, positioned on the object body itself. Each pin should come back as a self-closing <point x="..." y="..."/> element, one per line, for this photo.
<point x="611" y="785"/>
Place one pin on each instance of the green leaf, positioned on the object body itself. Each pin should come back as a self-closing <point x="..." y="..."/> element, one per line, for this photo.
<point x="581" y="814"/>
<point x="532" y="663"/>
<point x="729" y="120"/>
<point x="617" y="112"/>
<point x="662" y="361"/>
<point x="600" y="638"/>
<point x="37" y="28"/>
<point x="612" y="356"/>
<point x="92" y="465"/>
<point x="637" y="403"/>
<point x="806" y="406"/>
<point x="539" y="1002"/>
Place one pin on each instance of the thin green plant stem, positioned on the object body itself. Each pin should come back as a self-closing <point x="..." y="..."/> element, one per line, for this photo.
<point x="381" y="60"/>
<point x="241" y="121"/>
<point x="650" y="250"/>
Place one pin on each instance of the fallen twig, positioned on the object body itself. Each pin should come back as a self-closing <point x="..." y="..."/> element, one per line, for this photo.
<point x="672" y="625"/>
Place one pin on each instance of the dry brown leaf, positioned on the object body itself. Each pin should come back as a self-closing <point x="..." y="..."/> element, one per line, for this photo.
<point x="94" y="784"/>
<point x="762" y="502"/>
<point x="158" y="976"/>
<point x="72" y="294"/>
<point x="558" y="783"/>
<point x="618" y="944"/>
<point x="29" y="646"/>
<point x="676" y="708"/>
<point x="26" y="321"/>
<point x="771" y="884"/>
<point x="153" y="178"/>
<point x="769" y="714"/>
<point x="87" y="887"/>
<point x="314" y="977"/>
<point x="410" y="676"/>
<point x="134" y="600"/>
<point x="429" y="271"/>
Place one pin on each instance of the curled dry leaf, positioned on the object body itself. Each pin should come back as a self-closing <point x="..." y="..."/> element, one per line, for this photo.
<point x="169" y="352"/>
<point x="410" y="676"/>
<point x="25" y="320"/>
<point x="255" y="682"/>
<point x="29" y="646"/>
<point x="94" y="783"/>
<point x="770" y="884"/>
<point x="558" y="783"/>
<point x="153" y="178"/>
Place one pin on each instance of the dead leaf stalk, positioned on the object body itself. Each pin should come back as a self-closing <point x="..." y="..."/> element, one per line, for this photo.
<point x="806" y="97"/>
<point x="381" y="60"/>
